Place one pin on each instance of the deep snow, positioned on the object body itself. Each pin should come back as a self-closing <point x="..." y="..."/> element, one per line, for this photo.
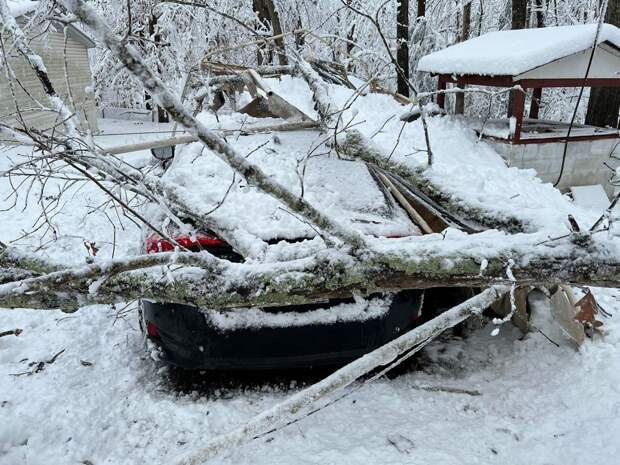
<point x="512" y="52"/>
<point x="538" y="405"/>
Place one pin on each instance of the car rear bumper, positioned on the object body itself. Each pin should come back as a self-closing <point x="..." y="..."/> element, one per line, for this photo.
<point x="190" y="340"/>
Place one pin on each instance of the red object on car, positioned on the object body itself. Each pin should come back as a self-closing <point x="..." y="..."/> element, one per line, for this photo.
<point x="155" y="243"/>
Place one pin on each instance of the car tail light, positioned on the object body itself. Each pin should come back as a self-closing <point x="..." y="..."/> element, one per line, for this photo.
<point x="151" y="330"/>
<point x="155" y="243"/>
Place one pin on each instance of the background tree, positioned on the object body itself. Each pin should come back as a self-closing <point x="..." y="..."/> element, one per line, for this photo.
<point x="402" y="40"/>
<point x="459" y="103"/>
<point x="604" y="102"/>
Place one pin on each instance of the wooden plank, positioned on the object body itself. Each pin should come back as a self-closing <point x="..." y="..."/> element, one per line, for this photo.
<point x="188" y="138"/>
<point x="518" y="108"/>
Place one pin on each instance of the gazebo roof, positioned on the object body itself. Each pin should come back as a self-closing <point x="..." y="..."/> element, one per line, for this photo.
<point x="515" y="52"/>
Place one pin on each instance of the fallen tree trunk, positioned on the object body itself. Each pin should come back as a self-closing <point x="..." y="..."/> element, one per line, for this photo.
<point x="408" y="344"/>
<point x="207" y="282"/>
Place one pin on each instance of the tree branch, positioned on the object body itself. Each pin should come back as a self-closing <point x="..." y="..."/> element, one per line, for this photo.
<point x="214" y="283"/>
<point x="132" y="60"/>
<point x="388" y="354"/>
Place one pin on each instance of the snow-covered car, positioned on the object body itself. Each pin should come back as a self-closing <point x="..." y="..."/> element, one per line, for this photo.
<point x="329" y="332"/>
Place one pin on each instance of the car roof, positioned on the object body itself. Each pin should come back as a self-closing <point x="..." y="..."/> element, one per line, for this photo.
<point x="343" y="189"/>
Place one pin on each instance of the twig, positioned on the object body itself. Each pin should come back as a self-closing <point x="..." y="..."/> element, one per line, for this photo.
<point x="451" y="390"/>
<point x="39" y="366"/>
<point x="14" y="332"/>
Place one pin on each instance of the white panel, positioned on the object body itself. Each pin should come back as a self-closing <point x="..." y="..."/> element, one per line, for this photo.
<point x="51" y="47"/>
<point x="604" y="65"/>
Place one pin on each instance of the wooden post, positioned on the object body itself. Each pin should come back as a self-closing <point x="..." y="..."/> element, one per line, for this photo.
<point x="518" y="108"/>
<point x="535" y="106"/>
<point x="441" y="98"/>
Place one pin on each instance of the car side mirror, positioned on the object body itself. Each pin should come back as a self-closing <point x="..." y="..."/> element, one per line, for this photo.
<point x="163" y="153"/>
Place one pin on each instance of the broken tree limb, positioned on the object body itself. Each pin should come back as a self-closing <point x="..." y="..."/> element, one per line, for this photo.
<point x="213" y="283"/>
<point x="14" y="258"/>
<point x="150" y="144"/>
<point x="11" y="332"/>
<point x="322" y="102"/>
<point x="133" y="61"/>
<point x="77" y="153"/>
<point x="415" y="216"/>
<point x="384" y="355"/>
<point x="258" y="81"/>
<point x="355" y="145"/>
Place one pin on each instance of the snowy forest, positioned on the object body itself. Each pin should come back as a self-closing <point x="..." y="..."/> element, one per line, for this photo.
<point x="309" y="231"/>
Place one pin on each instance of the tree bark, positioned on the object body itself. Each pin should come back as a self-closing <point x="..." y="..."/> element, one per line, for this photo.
<point x="215" y="283"/>
<point x="540" y="15"/>
<point x="277" y="31"/>
<point x="402" y="44"/>
<point x="459" y="103"/>
<point x="421" y="8"/>
<point x="268" y="14"/>
<point x="604" y="102"/>
<point x="264" y="50"/>
<point x="159" y="114"/>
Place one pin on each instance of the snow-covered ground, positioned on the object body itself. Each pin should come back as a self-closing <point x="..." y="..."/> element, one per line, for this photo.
<point x="538" y="404"/>
<point x="105" y="401"/>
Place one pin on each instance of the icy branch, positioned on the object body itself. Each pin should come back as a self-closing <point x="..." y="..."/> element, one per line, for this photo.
<point x="206" y="282"/>
<point x="134" y="62"/>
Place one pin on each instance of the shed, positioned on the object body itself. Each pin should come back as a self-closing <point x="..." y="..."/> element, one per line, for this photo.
<point x="50" y="45"/>
<point x="537" y="59"/>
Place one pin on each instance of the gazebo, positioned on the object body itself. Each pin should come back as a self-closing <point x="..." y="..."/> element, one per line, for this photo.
<point x="537" y="59"/>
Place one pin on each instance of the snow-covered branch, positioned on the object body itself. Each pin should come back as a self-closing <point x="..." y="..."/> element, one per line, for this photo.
<point x="134" y="62"/>
<point x="385" y="355"/>
<point x="207" y="282"/>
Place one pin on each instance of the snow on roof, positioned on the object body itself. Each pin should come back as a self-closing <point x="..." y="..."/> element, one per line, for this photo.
<point x="509" y="53"/>
<point x="21" y="7"/>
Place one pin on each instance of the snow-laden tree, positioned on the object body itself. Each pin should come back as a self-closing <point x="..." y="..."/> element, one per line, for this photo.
<point x="144" y="52"/>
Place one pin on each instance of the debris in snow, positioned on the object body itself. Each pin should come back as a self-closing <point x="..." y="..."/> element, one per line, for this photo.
<point x="564" y="312"/>
<point x="39" y="366"/>
<point x="586" y="315"/>
<point x="591" y="197"/>
<point x="11" y="332"/>
<point x="450" y="390"/>
<point x="403" y="444"/>
<point x="91" y="248"/>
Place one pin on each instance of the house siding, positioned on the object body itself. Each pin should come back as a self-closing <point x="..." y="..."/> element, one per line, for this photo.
<point x="51" y="48"/>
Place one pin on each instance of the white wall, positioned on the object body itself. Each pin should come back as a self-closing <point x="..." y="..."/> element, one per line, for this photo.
<point x="584" y="164"/>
